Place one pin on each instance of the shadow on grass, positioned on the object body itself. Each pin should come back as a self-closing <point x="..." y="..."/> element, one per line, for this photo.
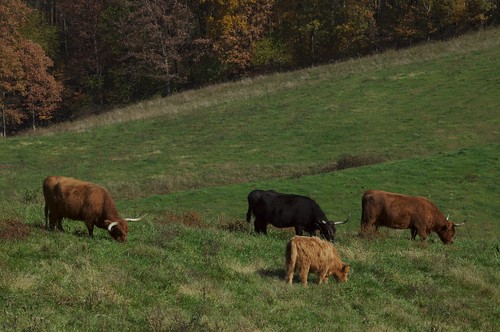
<point x="272" y="273"/>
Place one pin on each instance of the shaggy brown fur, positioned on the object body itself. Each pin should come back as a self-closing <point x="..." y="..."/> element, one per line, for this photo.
<point x="380" y="208"/>
<point x="306" y="254"/>
<point x="78" y="200"/>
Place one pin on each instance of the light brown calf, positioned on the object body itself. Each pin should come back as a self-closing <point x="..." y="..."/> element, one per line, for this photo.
<point x="306" y="254"/>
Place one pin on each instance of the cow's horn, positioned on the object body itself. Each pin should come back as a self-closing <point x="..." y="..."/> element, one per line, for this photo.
<point x="135" y="219"/>
<point x="110" y="226"/>
<point x="463" y="222"/>
<point x="448" y="217"/>
<point x="342" y="222"/>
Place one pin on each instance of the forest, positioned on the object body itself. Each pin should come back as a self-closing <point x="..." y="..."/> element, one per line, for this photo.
<point x="65" y="59"/>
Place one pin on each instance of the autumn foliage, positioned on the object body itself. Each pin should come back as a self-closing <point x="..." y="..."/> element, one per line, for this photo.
<point x="65" y="58"/>
<point x="26" y="86"/>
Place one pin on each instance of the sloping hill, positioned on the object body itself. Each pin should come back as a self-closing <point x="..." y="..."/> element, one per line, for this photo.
<point x="428" y="117"/>
<point x="429" y="99"/>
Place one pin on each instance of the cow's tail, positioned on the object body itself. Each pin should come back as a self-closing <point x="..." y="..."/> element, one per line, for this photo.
<point x="363" y="208"/>
<point x="249" y="212"/>
<point x="45" y="189"/>
<point x="290" y="260"/>
<point x="46" y="216"/>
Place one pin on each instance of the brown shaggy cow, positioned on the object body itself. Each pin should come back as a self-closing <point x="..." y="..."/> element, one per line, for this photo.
<point x="304" y="253"/>
<point x="421" y="216"/>
<point x="78" y="200"/>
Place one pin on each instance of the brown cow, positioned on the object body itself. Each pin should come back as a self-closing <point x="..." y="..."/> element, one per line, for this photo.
<point x="78" y="200"/>
<point x="421" y="216"/>
<point x="306" y="253"/>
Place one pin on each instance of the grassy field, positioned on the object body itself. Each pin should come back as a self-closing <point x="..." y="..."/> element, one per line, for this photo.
<point x="422" y="121"/>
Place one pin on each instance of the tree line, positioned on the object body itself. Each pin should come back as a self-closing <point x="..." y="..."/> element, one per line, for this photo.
<point x="60" y="59"/>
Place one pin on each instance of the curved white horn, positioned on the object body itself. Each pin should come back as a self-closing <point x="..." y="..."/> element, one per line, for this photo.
<point x="110" y="226"/>
<point x="342" y="222"/>
<point x="135" y="219"/>
<point x="448" y="217"/>
<point x="458" y="225"/>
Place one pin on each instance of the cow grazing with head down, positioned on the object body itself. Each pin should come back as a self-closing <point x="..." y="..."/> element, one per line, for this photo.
<point x="420" y="215"/>
<point x="287" y="210"/>
<point x="78" y="200"/>
<point x="306" y="254"/>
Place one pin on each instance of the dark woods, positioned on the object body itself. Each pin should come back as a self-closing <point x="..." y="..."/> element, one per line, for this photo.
<point x="67" y="58"/>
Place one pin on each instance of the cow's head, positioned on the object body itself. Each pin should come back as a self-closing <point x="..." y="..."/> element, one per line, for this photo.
<point x="447" y="231"/>
<point x="118" y="229"/>
<point x="327" y="229"/>
<point x="341" y="276"/>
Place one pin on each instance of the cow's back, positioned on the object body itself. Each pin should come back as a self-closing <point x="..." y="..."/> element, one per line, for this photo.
<point x="314" y="252"/>
<point x="290" y="210"/>
<point x="383" y="208"/>
<point x="82" y="200"/>
<point x="78" y="200"/>
<point x="394" y="210"/>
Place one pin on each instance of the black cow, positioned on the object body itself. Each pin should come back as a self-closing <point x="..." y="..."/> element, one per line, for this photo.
<point x="288" y="210"/>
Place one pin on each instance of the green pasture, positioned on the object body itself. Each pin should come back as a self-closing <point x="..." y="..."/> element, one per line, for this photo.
<point x="421" y="121"/>
<point x="441" y="99"/>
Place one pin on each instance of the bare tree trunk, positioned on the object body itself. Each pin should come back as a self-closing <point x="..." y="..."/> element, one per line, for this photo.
<point x="33" y="114"/>
<point x="4" y="132"/>
<point x="162" y="43"/>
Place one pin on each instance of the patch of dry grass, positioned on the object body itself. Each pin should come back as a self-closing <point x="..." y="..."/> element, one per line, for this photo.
<point x="247" y="88"/>
<point x="13" y="230"/>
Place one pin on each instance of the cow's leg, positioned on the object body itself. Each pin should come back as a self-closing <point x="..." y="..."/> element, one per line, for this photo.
<point x="369" y="226"/>
<point x="260" y="226"/>
<point x="289" y="273"/>
<point x="368" y="220"/>
<point x="413" y="233"/>
<point x="323" y="277"/>
<point x="299" y="230"/>
<point x="55" y="220"/>
<point x="46" y="210"/>
<point x="59" y="225"/>
<point x="90" y="228"/>
<point x="304" y="271"/>
<point x="264" y="229"/>
<point x="422" y="233"/>
<point x="52" y="221"/>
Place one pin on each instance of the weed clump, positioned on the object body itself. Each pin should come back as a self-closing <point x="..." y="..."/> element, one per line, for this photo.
<point x="234" y="225"/>
<point x="353" y="161"/>
<point x="190" y="219"/>
<point x="13" y="230"/>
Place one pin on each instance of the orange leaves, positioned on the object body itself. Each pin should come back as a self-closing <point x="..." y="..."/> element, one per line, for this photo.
<point x="25" y="84"/>
<point x="235" y="26"/>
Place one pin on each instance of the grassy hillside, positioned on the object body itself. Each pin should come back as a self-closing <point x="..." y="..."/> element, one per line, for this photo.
<point x="464" y="184"/>
<point x="423" y="101"/>
<point x="427" y="117"/>
<point x="199" y="269"/>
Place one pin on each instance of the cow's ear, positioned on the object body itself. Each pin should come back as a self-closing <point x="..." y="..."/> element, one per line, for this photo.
<point x="346" y="268"/>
